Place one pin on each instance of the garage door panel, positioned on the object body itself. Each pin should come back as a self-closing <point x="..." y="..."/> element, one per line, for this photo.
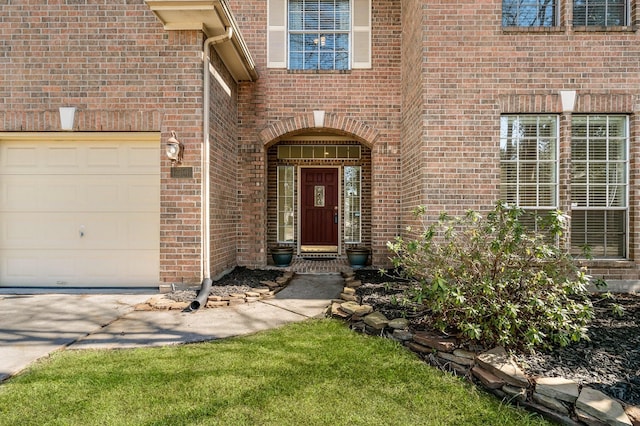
<point x="80" y="213"/>
<point x="53" y="231"/>
<point x="142" y="158"/>
<point x="90" y="193"/>
<point x="61" y="157"/>
<point x="19" y="157"/>
<point x="36" y="230"/>
<point x="86" y="157"/>
<point x="116" y="268"/>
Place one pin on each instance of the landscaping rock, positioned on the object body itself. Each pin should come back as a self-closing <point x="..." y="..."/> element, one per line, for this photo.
<point x="419" y="348"/>
<point x="498" y="362"/>
<point x="217" y="303"/>
<point x="376" y="320"/>
<point x="488" y="379"/>
<point x="348" y="297"/>
<point x="550" y="402"/>
<point x="399" y="324"/>
<point x="178" y="306"/>
<point x="588" y="419"/>
<point x="356" y="309"/>
<point x="558" y="388"/>
<point x="354" y="283"/>
<point x="402" y="335"/>
<point x="349" y="290"/>
<point x="514" y="392"/>
<point x="465" y="354"/>
<point x="435" y="341"/>
<point x="270" y="284"/>
<point x="458" y="360"/>
<point x="633" y="413"/>
<point x="598" y="405"/>
<point x="337" y="311"/>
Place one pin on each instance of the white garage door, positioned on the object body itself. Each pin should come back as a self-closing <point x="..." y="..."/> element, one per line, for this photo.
<point x="80" y="210"/>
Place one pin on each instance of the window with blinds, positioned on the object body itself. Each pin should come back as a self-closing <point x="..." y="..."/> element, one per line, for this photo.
<point x="599" y="185"/>
<point x="319" y="34"/>
<point x="600" y="12"/>
<point x="529" y="162"/>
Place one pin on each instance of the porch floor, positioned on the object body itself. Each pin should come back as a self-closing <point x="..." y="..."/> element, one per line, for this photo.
<point x="302" y="265"/>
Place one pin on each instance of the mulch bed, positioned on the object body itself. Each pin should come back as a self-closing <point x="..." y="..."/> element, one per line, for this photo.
<point x="609" y="362"/>
<point x="239" y="280"/>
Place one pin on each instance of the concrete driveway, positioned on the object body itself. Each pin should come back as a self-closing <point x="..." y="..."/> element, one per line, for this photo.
<point x="34" y="325"/>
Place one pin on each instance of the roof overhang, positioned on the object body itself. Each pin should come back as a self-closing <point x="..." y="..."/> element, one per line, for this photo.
<point x="214" y="18"/>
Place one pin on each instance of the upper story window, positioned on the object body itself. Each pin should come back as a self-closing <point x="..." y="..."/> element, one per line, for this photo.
<point x="319" y="34"/>
<point x="529" y="13"/>
<point x="606" y="13"/>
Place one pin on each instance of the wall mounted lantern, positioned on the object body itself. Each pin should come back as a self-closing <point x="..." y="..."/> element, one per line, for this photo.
<point x="174" y="149"/>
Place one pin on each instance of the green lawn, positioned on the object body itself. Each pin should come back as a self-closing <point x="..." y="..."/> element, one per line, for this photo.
<point x="312" y="373"/>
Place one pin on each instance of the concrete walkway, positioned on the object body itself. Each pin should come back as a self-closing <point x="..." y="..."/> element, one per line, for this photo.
<point x="34" y="325"/>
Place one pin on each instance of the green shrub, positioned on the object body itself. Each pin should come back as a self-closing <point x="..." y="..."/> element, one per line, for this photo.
<point x="491" y="280"/>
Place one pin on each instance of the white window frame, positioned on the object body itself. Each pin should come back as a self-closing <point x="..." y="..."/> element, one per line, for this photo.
<point x="278" y="34"/>
<point x="349" y="214"/>
<point x="575" y="207"/>
<point x="283" y="228"/>
<point x="537" y="208"/>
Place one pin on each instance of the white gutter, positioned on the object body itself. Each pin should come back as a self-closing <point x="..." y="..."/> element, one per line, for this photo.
<point x="206" y="152"/>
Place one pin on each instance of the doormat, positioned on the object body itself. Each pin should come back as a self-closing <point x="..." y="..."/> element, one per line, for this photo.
<point x="319" y="259"/>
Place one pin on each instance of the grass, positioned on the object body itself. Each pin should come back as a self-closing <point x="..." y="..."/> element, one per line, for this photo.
<point x="313" y="373"/>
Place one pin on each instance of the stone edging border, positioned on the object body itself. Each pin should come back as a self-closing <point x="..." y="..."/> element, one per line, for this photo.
<point x="555" y="398"/>
<point x="162" y="302"/>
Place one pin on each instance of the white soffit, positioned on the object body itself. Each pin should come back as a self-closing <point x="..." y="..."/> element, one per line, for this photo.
<point x="212" y="17"/>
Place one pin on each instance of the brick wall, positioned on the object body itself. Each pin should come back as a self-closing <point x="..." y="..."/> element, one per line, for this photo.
<point x="414" y="155"/>
<point x="474" y="71"/>
<point x="368" y="97"/>
<point x="124" y="72"/>
<point x="224" y="171"/>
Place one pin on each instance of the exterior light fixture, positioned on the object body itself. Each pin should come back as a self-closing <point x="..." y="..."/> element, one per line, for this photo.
<point x="174" y="149"/>
<point x="67" y="117"/>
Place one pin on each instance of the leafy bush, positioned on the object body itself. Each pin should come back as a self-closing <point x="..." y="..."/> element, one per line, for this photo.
<point x="491" y="280"/>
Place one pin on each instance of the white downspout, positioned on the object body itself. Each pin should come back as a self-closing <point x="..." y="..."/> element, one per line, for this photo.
<point x="205" y="259"/>
<point x="206" y="152"/>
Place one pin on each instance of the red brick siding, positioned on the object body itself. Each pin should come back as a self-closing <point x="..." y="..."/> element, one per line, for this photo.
<point x="123" y="72"/>
<point x="413" y="148"/>
<point x="371" y="97"/>
<point x="224" y="173"/>
<point x="474" y="71"/>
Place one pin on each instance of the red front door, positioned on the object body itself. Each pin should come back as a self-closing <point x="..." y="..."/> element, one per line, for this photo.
<point x="319" y="222"/>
